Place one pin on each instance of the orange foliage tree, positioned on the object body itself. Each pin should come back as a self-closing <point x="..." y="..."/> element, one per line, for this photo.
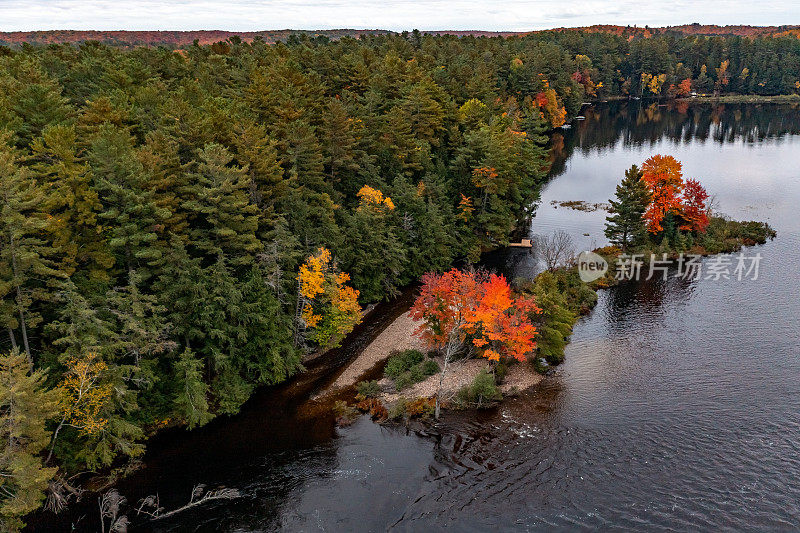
<point x="457" y="306"/>
<point x="663" y="177"/>
<point x="551" y="109"/>
<point x="694" y="210"/>
<point x="685" y="87"/>
<point x="327" y="308"/>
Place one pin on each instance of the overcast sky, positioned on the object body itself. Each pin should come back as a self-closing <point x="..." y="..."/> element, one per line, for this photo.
<point x="240" y="15"/>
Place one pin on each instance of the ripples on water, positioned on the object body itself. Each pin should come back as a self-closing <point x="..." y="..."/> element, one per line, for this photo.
<point x="678" y="406"/>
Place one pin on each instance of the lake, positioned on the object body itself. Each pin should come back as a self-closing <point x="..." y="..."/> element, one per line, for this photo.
<point x="678" y="405"/>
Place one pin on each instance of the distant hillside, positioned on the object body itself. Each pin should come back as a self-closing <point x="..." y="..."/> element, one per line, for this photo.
<point x="689" y="29"/>
<point x="164" y="38"/>
<point x="178" y="39"/>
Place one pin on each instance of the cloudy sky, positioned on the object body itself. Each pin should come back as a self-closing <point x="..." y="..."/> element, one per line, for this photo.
<point x="520" y="15"/>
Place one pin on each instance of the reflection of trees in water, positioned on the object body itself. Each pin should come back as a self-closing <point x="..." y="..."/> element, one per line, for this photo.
<point x="513" y="263"/>
<point x="647" y="123"/>
<point x="629" y="300"/>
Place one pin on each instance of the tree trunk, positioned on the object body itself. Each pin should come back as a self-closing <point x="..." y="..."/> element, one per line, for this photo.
<point x="53" y="441"/>
<point x="19" y="302"/>
<point x="449" y="349"/>
<point x="13" y="338"/>
<point x="24" y="329"/>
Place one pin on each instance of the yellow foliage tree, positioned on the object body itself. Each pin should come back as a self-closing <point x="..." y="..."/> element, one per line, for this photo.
<point x="374" y="198"/>
<point x="327" y="308"/>
<point x="85" y="395"/>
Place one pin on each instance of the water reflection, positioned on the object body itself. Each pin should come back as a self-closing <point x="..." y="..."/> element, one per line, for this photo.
<point x="636" y="124"/>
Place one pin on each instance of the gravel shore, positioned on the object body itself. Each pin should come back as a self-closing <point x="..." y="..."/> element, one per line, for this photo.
<point x="399" y="335"/>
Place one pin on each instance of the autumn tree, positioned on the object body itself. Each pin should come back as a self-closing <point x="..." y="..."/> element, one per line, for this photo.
<point x="694" y="210"/>
<point x="664" y="180"/>
<point x="327" y="308"/>
<point x="94" y="403"/>
<point x="457" y="307"/>
<point x="685" y="87"/>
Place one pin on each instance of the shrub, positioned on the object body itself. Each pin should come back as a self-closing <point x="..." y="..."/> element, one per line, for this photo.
<point x="482" y="392"/>
<point x="500" y="371"/>
<point x="430" y="367"/>
<point x="398" y="410"/>
<point x="404" y="381"/>
<point x="368" y="389"/>
<point x="409" y="367"/>
<point x="344" y="413"/>
<point x="402" y="361"/>
<point x="421" y="407"/>
<point x="417" y="374"/>
<point x="340" y="408"/>
<point x="374" y="407"/>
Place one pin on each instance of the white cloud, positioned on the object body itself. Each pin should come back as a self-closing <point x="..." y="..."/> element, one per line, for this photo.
<point x="239" y="15"/>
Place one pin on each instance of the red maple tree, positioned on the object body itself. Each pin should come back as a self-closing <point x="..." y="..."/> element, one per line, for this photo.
<point x="457" y="306"/>
<point x="694" y="210"/>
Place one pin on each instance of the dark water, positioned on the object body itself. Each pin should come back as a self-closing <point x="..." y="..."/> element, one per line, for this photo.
<point x="678" y="406"/>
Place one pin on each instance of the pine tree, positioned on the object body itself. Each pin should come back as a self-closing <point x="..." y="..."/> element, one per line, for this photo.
<point x="24" y="262"/>
<point x="191" y="403"/>
<point x="78" y="327"/>
<point x="268" y="355"/>
<point x="556" y="320"/>
<point x="426" y="114"/>
<point x="180" y="288"/>
<point x="281" y="256"/>
<point x="376" y="268"/>
<point x="36" y="102"/>
<point x="256" y="152"/>
<point x="424" y="228"/>
<point x="129" y="205"/>
<point x="223" y="221"/>
<point x="303" y="158"/>
<point x="25" y="408"/>
<point x="625" y="226"/>
<point x="221" y="322"/>
<point x="339" y="135"/>
<point x="72" y="204"/>
<point x="141" y="331"/>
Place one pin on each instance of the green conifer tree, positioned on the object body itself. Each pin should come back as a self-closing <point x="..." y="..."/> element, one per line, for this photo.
<point x="129" y="205"/>
<point x="223" y="221"/>
<point x="25" y="408"/>
<point x="25" y="266"/>
<point x="625" y="226"/>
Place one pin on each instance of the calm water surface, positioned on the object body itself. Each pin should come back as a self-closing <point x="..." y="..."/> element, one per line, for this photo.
<point x="678" y="405"/>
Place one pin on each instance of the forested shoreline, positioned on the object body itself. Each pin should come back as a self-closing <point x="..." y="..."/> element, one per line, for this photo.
<point x="178" y="228"/>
